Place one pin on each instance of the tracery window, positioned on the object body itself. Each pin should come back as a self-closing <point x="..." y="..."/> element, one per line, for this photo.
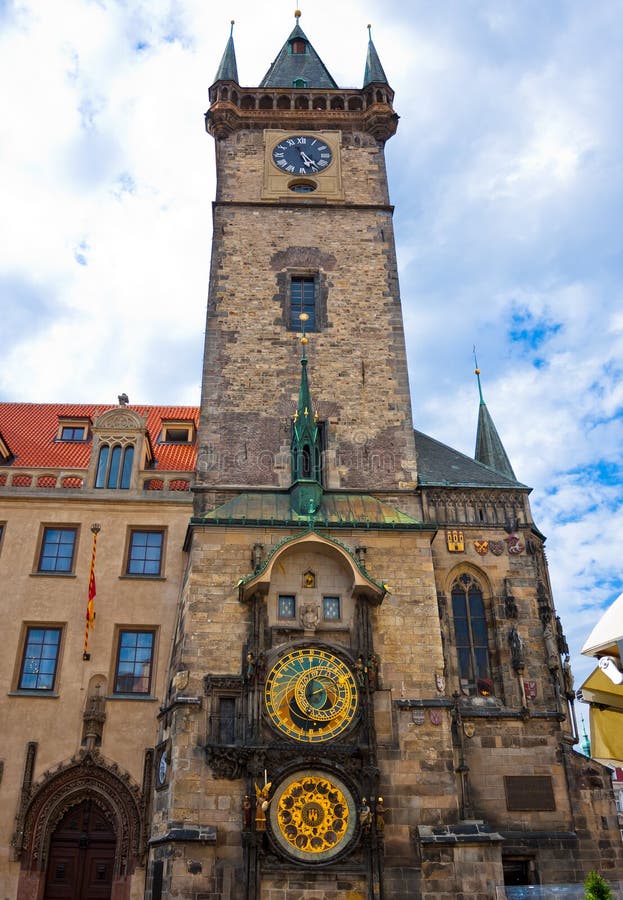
<point x="471" y="637"/>
<point x="114" y="466"/>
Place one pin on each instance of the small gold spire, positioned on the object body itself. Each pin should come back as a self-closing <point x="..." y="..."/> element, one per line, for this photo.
<point x="295" y="416"/>
<point x="305" y="412"/>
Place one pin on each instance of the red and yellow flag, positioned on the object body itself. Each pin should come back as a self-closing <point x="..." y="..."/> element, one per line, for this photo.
<point x="90" y="616"/>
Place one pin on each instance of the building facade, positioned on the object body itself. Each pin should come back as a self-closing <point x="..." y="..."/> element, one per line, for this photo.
<point x="79" y="721"/>
<point x="353" y="681"/>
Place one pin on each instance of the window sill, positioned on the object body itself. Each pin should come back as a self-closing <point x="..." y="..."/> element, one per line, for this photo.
<point x="141" y="697"/>
<point x="48" y="695"/>
<point x="143" y="577"/>
<point x="53" y="575"/>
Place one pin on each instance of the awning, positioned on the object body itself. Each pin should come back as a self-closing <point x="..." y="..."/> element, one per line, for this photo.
<point x="606" y="736"/>
<point x="608" y="631"/>
<point x="606" y="717"/>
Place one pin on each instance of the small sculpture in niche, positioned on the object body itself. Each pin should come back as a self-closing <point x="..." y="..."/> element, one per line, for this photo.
<point x="309" y="579"/>
<point x="360" y="670"/>
<point x="567" y="675"/>
<point x="372" y="670"/>
<point x="518" y="656"/>
<point x="257" y="555"/>
<point x="310" y="615"/>
<point x="380" y="811"/>
<point x="249" y="675"/>
<point x="365" y="815"/>
<point x="261" y="805"/>
<point x="551" y="646"/>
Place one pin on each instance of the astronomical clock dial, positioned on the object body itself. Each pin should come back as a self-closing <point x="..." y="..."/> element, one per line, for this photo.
<point x="311" y="695"/>
<point x="313" y="816"/>
<point x="302" y="154"/>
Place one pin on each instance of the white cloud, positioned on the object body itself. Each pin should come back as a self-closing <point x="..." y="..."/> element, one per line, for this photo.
<point x="507" y="178"/>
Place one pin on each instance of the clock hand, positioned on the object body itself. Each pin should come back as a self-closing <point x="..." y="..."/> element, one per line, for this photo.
<point x="308" y="161"/>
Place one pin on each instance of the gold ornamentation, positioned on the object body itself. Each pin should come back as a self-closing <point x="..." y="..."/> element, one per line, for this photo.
<point x="455" y="540"/>
<point x="311" y="695"/>
<point x="482" y="547"/>
<point x="313" y="815"/>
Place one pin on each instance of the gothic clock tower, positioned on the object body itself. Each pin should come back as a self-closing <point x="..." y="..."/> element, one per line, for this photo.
<point x="308" y="731"/>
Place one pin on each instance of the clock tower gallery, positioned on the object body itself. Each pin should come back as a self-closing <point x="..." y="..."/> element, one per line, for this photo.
<point x="338" y="645"/>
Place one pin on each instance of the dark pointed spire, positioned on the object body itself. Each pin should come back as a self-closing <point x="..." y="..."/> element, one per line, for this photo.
<point x="489" y="448"/>
<point x="374" y="73"/>
<point x="298" y="65"/>
<point x="228" y="70"/>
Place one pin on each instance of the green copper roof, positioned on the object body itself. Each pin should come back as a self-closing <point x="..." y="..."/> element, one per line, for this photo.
<point x="228" y="70"/>
<point x="306" y="451"/>
<point x="335" y="510"/>
<point x="374" y="70"/>
<point x="292" y="69"/>
<point x="489" y="448"/>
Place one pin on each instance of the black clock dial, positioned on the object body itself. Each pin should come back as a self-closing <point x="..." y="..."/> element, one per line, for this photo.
<point x="302" y="154"/>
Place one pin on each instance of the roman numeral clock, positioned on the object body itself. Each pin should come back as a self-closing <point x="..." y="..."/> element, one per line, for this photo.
<point x="298" y="162"/>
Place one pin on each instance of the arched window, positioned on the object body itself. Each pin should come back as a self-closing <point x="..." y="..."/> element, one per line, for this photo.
<point x="114" y="466"/>
<point x="471" y="637"/>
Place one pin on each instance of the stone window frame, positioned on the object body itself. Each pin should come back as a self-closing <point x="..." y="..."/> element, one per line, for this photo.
<point x="44" y="530"/>
<point x="28" y="627"/>
<point x="120" y="630"/>
<point x="134" y="530"/>
<point x="452" y="658"/>
<point x="331" y="597"/>
<point x="281" y="617"/>
<point x="73" y="424"/>
<point x="104" y="467"/>
<point x="284" y="289"/>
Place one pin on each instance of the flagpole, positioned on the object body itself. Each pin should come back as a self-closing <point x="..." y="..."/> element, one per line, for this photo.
<point x="90" y="615"/>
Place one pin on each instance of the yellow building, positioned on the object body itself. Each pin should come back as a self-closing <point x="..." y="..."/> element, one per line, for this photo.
<point x="78" y="726"/>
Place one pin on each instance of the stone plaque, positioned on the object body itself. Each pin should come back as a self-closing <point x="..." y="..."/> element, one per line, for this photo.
<point x="529" y="792"/>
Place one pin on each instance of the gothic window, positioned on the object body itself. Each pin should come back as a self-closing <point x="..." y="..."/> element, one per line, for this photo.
<point x="471" y="637"/>
<point x="145" y="553"/>
<point x="302" y="300"/>
<point x="39" y="663"/>
<point x="57" y="550"/>
<point x="135" y="657"/>
<point x="114" y="466"/>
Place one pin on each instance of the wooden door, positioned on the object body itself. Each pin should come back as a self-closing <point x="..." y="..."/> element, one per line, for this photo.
<point x="82" y="855"/>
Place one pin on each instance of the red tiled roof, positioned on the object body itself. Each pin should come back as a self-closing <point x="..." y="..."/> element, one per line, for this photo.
<point x="30" y="430"/>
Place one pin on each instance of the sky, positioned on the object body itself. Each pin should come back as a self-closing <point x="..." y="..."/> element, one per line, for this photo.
<point x="506" y="172"/>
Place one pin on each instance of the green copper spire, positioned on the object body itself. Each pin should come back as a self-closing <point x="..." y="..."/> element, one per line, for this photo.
<point x="305" y="449"/>
<point x="298" y="65"/>
<point x="489" y="448"/>
<point x="228" y="70"/>
<point x="374" y="73"/>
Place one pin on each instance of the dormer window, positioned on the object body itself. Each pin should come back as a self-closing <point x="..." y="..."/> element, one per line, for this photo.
<point x="114" y="466"/>
<point x="73" y="429"/>
<point x="299" y="46"/>
<point x="177" y="433"/>
<point x="299" y="83"/>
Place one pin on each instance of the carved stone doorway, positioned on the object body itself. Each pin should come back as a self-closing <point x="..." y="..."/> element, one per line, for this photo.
<point x="82" y="856"/>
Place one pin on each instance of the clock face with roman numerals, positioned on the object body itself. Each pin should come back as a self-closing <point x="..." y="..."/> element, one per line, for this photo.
<point x="302" y="154"/>
<point x="311" y="695"/>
